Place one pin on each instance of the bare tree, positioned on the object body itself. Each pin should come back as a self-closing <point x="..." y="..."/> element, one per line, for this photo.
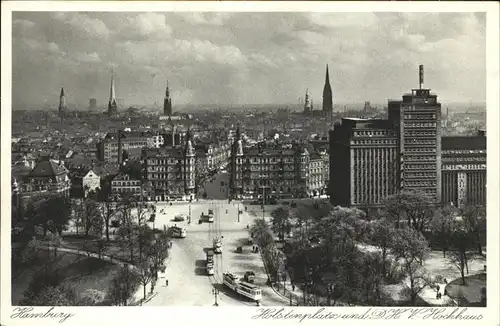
<point x="461" y="241"/>
<point x="411" y="248"/>
<point x="146" y="274"/>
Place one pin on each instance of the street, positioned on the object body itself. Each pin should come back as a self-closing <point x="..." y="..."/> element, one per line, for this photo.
<point x="189" y="285"/>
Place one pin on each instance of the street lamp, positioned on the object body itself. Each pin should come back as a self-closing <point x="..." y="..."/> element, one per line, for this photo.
<point x="215" y="292"/>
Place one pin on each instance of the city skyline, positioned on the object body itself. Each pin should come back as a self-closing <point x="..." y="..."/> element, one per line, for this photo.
<point x="226" y="58"/>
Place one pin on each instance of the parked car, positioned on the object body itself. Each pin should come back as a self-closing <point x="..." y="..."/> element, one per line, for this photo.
<point x="180" y="218"/>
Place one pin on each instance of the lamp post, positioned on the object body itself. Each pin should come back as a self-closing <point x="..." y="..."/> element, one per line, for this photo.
<point x="215" y="292"/>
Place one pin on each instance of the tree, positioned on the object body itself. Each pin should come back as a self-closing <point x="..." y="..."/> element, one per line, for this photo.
<point x="53" y="214"/>
<point x="382" y="234"/>
<point x="108" y="211"/>
<point x="261" y="233"/>
<point x="274" y="261"/>
<point x="411" y="248"/>
<point x="441" y="226"/>
<point x="123" y="286"/>
<point x="281" y="221"/>
<point x="146" y="274"/>
<point x="416" y="206"/>
<point x="127" y="233"/>
<point x="475" y="222"/>
<point x="91" y="217"/>
<point x="158" y="251"/>
<point x="461" y="240"/>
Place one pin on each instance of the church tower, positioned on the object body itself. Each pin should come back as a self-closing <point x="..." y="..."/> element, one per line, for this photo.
<point x="167" y="104"/>
<point x="62" y="103"/>
<point x="112" y="105"/>
<point x="327" y="95"/>
<point x="307" y="103"/>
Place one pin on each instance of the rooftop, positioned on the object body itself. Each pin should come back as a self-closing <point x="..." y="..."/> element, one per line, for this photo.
<point x="463" y="142"/>
<point x="48" y="168"/>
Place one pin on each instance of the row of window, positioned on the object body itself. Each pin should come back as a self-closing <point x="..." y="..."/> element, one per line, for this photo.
<point x="420" y="150"/>
<point x="125" y="183"/>
<point x="465" y="167"/>
<point x="125" y="190"/>
<point x="419" y="133"/>
<point x="370" y="133"/>
<point x="373" y="142"/>
<point x="420" y="167"/>
<point x="419" y="124"/>
<point x="420" y="116"/>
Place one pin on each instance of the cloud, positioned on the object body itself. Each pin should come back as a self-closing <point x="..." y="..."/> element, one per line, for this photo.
<point x="205" y="18"/>
<point x="83" y="23"/>
<point x="213" y="57"/>
<point x="147" y="24"/>
<point x="88" y="57"/>
<point x="343" y="20"/>
<point x="23" y="24"/>
<point x="42" y="47"/>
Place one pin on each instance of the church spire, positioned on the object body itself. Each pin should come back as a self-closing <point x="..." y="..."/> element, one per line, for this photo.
<point x="112" y="106"/>
<point x="62" y="102"/>
<point x="167" y="103"/>
<point x="327" y="94"/>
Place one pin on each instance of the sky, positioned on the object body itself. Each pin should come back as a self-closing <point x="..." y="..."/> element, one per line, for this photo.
<point x="230" y="58"/>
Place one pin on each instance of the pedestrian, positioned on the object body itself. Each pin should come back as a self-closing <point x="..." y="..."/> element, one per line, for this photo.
<point x="166" y="282"/>
<point x="293" y="287"/>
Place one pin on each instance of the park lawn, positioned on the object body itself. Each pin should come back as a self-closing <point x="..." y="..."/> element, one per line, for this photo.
<point x="471" y="291"/>
<point x="80" y="272"/>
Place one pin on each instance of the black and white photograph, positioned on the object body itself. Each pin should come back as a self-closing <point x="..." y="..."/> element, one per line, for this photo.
<point x="248" y="158"/>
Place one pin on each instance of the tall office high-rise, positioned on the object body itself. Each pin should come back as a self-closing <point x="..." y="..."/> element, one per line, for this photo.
<point x="371" y="159"/>
<point x="327" y="95"/>
<point x="112" y="104"/>
<point x="167" y="103"/>
<point x="417" y="119"/>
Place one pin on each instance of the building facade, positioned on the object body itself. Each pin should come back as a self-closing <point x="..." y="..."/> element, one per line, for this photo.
<point x="372" y="159"/>
<point x="417" y="119"/>
<point x="90" y="182"/>
<point x="123" y="185"/>
<point x="48" y="178"/>
<point x="111" y="148"/>
<point x="363" y="162"/>
<point x="169" y="172"/>
<point x="275" y="171"/>
<point x="464" y="170"/>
